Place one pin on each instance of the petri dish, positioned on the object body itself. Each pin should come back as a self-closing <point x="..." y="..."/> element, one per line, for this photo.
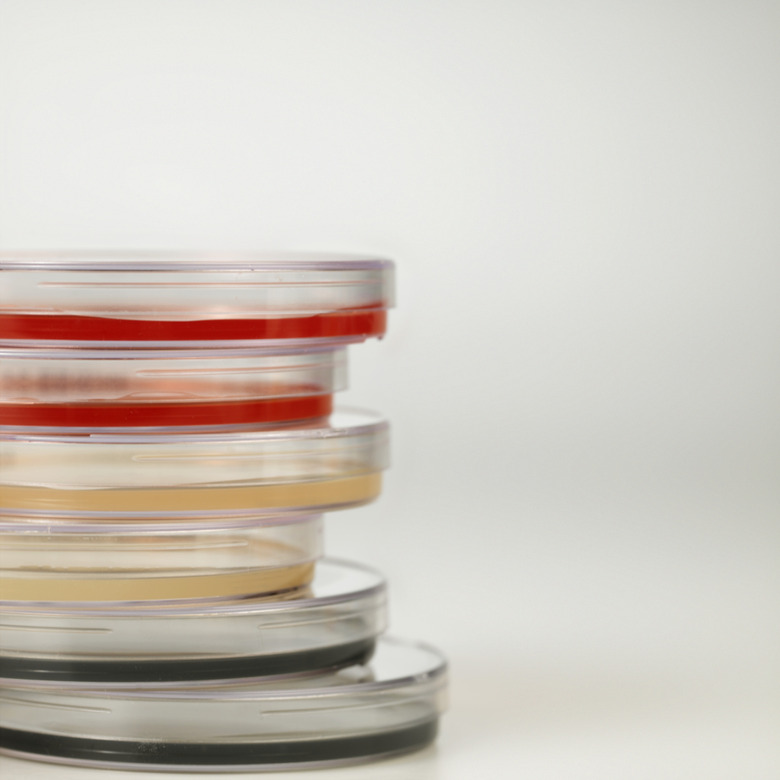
<point x="361" y="713"/>
<point x="333" y="622"/>
<point x="99" y="562"/>
<point x="309" y="468"/>
<point x="169" y="298"/>
<point x="151" y="389"/>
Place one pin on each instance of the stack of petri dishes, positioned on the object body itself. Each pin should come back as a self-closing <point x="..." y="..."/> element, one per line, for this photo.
<point x="168" y="446"/>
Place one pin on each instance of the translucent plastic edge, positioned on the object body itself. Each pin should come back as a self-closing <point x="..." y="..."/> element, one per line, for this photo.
<point x="44" y="527"/>
<point x="74" y="430"/>
<point x="153" y="260"/>
<point x="27" y="351"/>
<point x="435" y="674"/>
<point x="377" y="588"/>
<point x="372" y="423"/>
<point x="282" y="345"/>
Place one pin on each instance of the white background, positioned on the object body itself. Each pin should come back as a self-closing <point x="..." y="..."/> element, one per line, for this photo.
<point x="582" y="372"/>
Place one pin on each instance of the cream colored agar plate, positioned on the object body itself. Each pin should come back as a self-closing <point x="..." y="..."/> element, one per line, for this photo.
<point x="109" y="586"/>
<point x="318" y="495"/>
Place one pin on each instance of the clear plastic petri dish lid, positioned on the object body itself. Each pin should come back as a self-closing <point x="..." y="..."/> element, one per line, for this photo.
<point x="78" y="390"/>
<point x="125" y="298"/>
<point x="331" y="623"/>
<point x="108" y="477"/>
<point x="107" y="563"/>
<point x="360" y="713"/>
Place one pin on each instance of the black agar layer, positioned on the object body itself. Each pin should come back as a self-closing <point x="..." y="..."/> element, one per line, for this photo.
<point x="299" y="751"/>
<point x="179" y="670"/>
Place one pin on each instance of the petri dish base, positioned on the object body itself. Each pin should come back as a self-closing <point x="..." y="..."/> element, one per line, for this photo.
<point x="77" y="390"/>
<point x="332" y="622"/>
<point x="172" y="298"/>
<point x="307" y="468"/>
<point x="390" y="706"/>
<point x="106" y="563"/>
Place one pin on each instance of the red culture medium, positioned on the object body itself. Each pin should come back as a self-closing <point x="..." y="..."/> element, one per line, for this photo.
<point x="267" y="410"/>
<point x="355" y="323"/>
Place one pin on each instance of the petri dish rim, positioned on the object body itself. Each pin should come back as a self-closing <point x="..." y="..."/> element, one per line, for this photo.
<point x="209" y="609"/>
<point x="279" y="348"/>
<point x="46" y="526"/>
<point x="339" y="425"/>
<point x="171" y="261"/>
<point x="436" y="673"/>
